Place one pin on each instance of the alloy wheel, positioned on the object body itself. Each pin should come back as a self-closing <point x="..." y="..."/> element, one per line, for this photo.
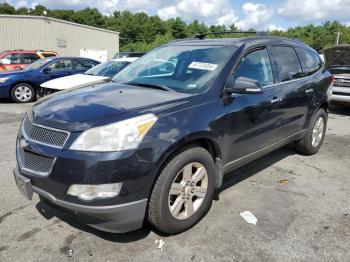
<point x="317" y="132"/>
<point x="188" y="191"/>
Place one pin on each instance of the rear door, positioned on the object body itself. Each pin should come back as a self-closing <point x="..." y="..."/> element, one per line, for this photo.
<point x="81" y="65"/>
<point x="254" y="118"/>
<point x="295" y="88"/>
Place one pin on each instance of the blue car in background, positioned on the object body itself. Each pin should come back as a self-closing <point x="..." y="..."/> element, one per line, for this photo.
<point x="22" y="85"/>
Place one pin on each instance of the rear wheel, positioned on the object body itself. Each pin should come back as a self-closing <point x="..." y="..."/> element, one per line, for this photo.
<point x="315" y="134"/>
<point x="23" y="93"/>
<point x="183" y="191"/>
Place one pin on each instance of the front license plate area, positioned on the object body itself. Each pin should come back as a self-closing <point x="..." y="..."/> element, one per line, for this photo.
<point x="24" y="185"/>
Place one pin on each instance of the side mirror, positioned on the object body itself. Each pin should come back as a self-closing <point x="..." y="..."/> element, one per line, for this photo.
<point x="47" y="69"/>
<point x="243" y="85"/>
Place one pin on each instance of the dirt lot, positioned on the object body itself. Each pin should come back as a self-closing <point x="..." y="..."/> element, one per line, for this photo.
<point x="307" y="218"/>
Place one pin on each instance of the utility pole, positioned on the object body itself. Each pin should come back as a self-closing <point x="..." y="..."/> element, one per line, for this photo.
<point x="338" y="36"/>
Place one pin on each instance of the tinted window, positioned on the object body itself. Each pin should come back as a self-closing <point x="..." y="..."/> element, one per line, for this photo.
<point x="311" y="61"/>
<point x="287" y="62"/>
<point x="82" y="64"/>
<point x="48" y="54"/>
<point x="257" y="66"/>
<point x="11" y="59"/>
<point x="62" y="64"/>
<point x="29" y="58"/>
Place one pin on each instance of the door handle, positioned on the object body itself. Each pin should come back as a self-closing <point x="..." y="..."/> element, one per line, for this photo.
<point x="275" y="100"/>
<point x="309" y="90"/>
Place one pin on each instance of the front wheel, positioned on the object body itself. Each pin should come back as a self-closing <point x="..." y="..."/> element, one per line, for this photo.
<point x="23" y="93"/>
<point x="315" y="134"/>
<point x="183" y="191"/>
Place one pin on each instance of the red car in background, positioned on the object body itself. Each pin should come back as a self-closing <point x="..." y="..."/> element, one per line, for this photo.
<point x="19" y="59"/>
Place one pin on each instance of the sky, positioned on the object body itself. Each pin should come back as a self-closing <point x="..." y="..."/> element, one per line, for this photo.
<point x="260" y="14"/>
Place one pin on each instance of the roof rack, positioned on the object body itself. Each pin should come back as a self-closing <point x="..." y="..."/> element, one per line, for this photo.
<point x="203" y="35"/>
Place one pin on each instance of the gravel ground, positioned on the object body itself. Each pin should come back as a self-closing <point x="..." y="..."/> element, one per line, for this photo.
<point x="306" y="218"/>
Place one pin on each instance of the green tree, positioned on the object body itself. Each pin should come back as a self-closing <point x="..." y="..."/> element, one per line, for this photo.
<point x="5" y="8"/>
<point x="178" y="28"/>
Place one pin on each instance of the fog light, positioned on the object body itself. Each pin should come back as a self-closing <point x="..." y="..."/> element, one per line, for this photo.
<point x="92" y="192"/>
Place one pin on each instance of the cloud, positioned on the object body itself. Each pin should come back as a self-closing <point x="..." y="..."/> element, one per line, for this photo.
<point x="257" y="16"/>
<point x="315" y="10"/>
<point x="209" y="11"/>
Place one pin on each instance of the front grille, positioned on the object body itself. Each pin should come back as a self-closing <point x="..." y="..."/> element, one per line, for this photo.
<point x="35" y="163"/>
<point x="44" y="135"/>
<point x="340" y="94"/>
<point x="342" y="82"/>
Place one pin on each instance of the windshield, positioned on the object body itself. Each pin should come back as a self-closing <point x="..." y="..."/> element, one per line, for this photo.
<point x="109" y="68"/>
<point x="186" y="69"/>
<point x="37" y="64"/>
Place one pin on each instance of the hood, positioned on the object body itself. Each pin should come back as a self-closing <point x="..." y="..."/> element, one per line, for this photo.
<point x="337" y="56"/>
<point x="13" y="73"/>
<point x="78" y="80"/>
<point x="82" y="108"/>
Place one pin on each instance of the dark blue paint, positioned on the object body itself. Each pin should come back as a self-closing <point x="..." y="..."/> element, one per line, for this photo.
<point x="235" y="125"/>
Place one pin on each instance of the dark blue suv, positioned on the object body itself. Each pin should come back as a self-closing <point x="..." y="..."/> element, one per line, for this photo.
<point x="154" y="143"/>
<point x="22" y="85"/>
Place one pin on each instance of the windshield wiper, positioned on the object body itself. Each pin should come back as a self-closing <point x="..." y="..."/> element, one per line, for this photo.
<point x="151" y="85"/>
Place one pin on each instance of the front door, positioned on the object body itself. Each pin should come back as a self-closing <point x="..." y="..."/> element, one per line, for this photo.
<point x="59" y="68"/>
<point x="253" y="119"/>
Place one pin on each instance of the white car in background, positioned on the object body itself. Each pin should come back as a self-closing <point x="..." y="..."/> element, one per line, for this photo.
<point x="98" y="74"/>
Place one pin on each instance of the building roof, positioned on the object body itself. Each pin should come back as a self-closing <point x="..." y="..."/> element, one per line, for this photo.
<point x="57" y="20"/>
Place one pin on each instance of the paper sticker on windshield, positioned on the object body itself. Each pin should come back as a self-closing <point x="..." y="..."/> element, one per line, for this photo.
<point x="203" y="66"/>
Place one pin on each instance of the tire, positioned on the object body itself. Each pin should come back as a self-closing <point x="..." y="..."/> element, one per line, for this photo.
<point x="23" y="93"/>
<point x="162" y="201"/>
<point x="306" y="145"/>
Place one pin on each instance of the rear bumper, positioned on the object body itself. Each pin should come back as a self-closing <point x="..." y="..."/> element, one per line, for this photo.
<point x="114" y="218"/>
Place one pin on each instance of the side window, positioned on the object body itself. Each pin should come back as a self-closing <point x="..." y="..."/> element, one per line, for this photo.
<point x="62" y="64"/>
<point x="256" y="65"/>
<point x="29" y="58"/>
<point x="311" y="61"/>
<point x="48" y="54"/>
<point x="82" y="64"/>
<point x="288" y="63"/>
<point x="11" y="59"/>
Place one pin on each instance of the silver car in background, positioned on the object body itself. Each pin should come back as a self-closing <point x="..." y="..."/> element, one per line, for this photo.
<point x="337" y="60"/>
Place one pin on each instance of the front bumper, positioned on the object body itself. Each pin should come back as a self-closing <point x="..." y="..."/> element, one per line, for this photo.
<point x="115" y="218"/>
<point x="340" y="94"/>
<point x="5" y="90"/>
<point x="135" y="169"/>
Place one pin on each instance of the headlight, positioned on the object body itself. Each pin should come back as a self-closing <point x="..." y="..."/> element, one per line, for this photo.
<point x="4" y="79"/>
<point x="122" y="135"/>
<point x="92" y="192"/>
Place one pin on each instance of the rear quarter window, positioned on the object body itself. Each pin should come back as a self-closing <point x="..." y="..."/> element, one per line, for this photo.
<point x="287" y="62"/>
<point x="311" y="61"/>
